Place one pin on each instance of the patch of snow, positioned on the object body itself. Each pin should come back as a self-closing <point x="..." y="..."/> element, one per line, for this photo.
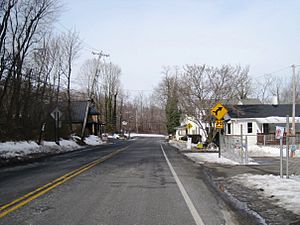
<point x="286" y="191"/>
<point x="23" y="148"/>
<point x="93" y="140"/>
<point x="146" y="135"/>
<point x="15" y="149"/>
<point x="210" y="158"/>
<point x="207" y="156"/>
<point x="68" y="144"/>
<point x="267" y="151"/>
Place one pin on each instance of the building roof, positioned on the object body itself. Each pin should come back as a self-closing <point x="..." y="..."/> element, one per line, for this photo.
<point x="261" y="111"/>
<point x="78" y="110"/>
<point x="248" y="101"/>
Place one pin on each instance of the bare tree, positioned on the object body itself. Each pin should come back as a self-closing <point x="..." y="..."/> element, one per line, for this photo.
<point x="110" y="85"/>
<point x="201" y="86"/>
<point x="86" y="76"/>
<point x="22" y="24"/>
<point x="70" y="48"/>
<point x="168" y="93"/>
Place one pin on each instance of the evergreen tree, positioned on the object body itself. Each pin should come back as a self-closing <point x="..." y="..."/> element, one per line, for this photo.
<point x="172" y="115"/>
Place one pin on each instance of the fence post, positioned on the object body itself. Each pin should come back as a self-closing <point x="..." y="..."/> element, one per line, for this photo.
<point x="287" y="145"/>
<point x="281" y="158"/>
<point x="246" y="150"/>
<point x="242" y="159"/>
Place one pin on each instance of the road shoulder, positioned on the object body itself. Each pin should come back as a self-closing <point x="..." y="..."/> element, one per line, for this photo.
<point x="242" y="198"/>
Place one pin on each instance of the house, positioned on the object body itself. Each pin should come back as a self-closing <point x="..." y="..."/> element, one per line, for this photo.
<point x="78" y="111"/>
<point x="201" y="127"/>
<point x="189" y="126"/>
<point x="259" y="121"/>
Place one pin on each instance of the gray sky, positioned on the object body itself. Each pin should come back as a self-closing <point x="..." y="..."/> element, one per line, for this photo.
<point x="142" y="36"/>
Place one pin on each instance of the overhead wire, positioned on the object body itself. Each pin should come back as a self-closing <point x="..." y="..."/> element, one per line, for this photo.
<point x="271" y="73"/>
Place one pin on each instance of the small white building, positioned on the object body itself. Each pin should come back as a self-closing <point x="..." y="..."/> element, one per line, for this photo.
<point x="189" y="126"/>
<point x="259" y="120"/>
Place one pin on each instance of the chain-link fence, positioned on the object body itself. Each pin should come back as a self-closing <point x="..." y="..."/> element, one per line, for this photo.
<point x="237" y="148"/>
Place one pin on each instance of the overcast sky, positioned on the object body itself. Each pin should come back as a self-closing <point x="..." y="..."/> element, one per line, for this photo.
<point x="142" y="36"/>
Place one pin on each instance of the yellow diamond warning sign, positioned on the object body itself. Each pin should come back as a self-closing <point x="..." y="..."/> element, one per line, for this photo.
<point x="219" y="111"/>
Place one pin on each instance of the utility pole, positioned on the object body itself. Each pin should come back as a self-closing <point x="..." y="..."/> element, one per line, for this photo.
<point x="294" y="103"/>
<point x="91" y="94"/>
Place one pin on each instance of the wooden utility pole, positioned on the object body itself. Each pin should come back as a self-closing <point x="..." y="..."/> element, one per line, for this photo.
<point x="91" y="94"/>
<point x="294" y="102"/>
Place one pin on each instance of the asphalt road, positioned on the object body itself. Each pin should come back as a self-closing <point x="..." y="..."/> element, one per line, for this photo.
<point x="141" y="181"/>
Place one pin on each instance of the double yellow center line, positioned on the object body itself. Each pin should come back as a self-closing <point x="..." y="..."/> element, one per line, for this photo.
<point x="17" y="203"/>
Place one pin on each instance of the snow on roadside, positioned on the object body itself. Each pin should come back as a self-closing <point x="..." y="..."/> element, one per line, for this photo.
<point x="146" y="135"/>
<point x="93" y="140"/>
<point x="267" y="151"/>
<point x="203" y="157"/>
<point x="23" y="148"/>
<point x="12" y="149"/>
<point x="210" y="158"/>
<point x="286" y="191"/>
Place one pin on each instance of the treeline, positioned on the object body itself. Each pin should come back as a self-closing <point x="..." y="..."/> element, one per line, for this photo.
<point x="36" y="73"/>
<point x="194" y="89"/>
<point x="32" y="63"/>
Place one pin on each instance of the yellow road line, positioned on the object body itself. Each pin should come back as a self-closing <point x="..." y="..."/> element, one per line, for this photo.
<point x="43" y="187"/>
<point x="46" y="188"/>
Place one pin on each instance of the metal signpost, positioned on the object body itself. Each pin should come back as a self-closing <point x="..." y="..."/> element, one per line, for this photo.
<point x="219" y="111"/>
<point x="279" y="135"/>
<point x="287" y="144"/>
<point x="56" y="115"/>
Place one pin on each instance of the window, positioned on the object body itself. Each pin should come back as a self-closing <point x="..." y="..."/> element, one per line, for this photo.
<point x="265" y="128"/>
<point x="228" y="128"/>
<point x="250" y="128"/>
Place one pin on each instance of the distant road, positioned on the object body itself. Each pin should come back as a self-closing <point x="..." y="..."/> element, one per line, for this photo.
<point x="142" y="181"/>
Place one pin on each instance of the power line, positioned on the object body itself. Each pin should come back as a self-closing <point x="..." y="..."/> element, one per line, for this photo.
<point x="274" y="72"/>
<point x="138" y="90"/>
<point x="88" y="47"/>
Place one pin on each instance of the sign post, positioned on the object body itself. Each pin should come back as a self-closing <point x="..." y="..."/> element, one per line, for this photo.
<point x="219" y="111"/>
<point x="279" y="135"/>
<point x="287" y="145"/>
<point x="56" y="115"/>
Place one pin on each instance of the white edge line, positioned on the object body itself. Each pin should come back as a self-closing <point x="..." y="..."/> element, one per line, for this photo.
<point x="185" y="195"/>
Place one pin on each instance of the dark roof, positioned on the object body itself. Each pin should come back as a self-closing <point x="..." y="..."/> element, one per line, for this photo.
<point x="248" y="101"/>
<point x="261" y="111"/>
<point x="78" y="110"/>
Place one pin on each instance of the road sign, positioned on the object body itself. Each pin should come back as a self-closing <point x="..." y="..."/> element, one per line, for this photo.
<point x="279" y="132"/>
<point x="56" y="114"/>
<point x="189" y="126"/>
<point x="219" y="124"/>
<point x="219" y="111"/>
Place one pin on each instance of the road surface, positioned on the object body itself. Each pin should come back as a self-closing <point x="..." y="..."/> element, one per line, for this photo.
<point x="142" y="181"/>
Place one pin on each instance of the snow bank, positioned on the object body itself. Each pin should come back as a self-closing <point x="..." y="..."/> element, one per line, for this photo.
<point x="210" y="158"/>
<point x="146" y="135"/>
<point x="267" y="151"/>
<point x="93" y="140"/>
<point x="286" y="191"/>
<point x="23" y="148"/>
<point x="202" y="157"/>
<point x="14" y="149"/>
